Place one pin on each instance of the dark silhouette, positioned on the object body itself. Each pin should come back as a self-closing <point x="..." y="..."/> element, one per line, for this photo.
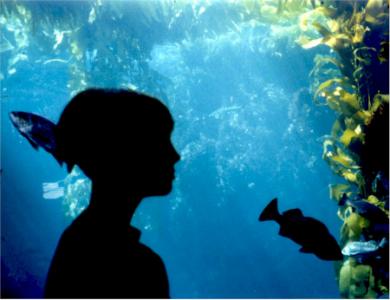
<point x="121" y="141"/>
<point x="308" y="232"/>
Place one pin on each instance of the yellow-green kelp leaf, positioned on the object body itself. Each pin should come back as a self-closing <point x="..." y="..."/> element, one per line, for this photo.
<point x="337" y="41"/>
<point x="383" y="55"/>
<point x="349" y="103"/>
<point x="334" y="25"/>
<point x="350" y="135"/>
<point x="308" y="44"/>
<point x="363" y="282"/>
<point x="325" y="32"/>
<point x="344" y="160"/>
<point x="376" y="12"/>
<point x="351" y="123"/>
<point x="380" y="204"/>
<point x="328" y="84"/>
<point x="327" y="11"/>
<point x="345" y="277"/>
<point x="362" y="117"/>
<point x="356" y="280"/>
<point x="359" y="32"/>
<point x="355" y="224"/>
<point x="353" y="177"/>
<point x="337" y="98"/>
<point x="337" y="129"/>
<point x="336" y="191"/>
<point x="364" y="54"/>
<point x="377" y="101"/>
<point x="322" y="60"/>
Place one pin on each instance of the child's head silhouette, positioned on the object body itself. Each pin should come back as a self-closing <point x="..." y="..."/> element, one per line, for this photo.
<point x="119" y="137"/>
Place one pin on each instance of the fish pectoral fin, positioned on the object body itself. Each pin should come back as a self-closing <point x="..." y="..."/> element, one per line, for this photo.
<point x="32" y="143"/>
<point x="305" y="250"/>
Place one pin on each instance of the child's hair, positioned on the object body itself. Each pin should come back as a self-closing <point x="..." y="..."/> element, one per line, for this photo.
<point x="98" y="120"/>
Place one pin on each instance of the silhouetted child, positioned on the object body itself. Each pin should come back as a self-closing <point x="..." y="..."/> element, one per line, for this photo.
<point x="121" y="141"/>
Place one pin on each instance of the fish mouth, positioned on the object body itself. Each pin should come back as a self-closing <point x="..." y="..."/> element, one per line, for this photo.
<point x="13" y="117"/>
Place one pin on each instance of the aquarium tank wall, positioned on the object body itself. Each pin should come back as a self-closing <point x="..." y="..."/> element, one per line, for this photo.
<point x="271" y="98"/>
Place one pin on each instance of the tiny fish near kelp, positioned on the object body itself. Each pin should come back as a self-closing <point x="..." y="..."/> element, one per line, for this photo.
<point x="365" y="209"/>
<point x="308" y="232"/>
<point x="360" y="247"/>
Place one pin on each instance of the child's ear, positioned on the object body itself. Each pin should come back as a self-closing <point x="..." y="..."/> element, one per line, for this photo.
<point x="38" y="131"/>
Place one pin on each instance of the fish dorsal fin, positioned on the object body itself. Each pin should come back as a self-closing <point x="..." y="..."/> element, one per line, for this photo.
<point x="295" y="212"/>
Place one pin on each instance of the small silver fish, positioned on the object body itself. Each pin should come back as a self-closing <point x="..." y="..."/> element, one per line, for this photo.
<point x="357" y="247"/>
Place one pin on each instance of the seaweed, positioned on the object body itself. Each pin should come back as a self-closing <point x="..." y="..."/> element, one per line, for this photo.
<point x="358" y="147"/>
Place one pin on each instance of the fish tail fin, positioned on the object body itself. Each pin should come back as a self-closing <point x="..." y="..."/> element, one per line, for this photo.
<point x="270" y="212"/>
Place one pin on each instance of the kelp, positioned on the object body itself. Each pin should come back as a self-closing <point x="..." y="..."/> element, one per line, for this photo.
<point x="357" y="280"/>
<point x="346" y="80"/>
<point x="337" y="191"/>
<point x="71" y="29"/>
<point x="275" y="11"/>
<point x="357" y="33"/>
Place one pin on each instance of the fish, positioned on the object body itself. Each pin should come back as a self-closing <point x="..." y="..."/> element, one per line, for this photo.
<point x="380" y="184"/>
<point x="359" y="247"/>
<point x="365" y="209"/>
<point x="379" y="230"/>
<point x="307" y="232"/>
<point x="38" y="131"/>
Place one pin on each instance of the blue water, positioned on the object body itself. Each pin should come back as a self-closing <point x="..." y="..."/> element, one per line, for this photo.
<point x="245" y="126"/>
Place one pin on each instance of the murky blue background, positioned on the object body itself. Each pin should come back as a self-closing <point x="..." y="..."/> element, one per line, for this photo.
<point x="246" y="128"/>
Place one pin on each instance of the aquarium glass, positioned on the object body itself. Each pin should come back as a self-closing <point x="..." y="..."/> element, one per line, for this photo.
<point x="239" y="85"/>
